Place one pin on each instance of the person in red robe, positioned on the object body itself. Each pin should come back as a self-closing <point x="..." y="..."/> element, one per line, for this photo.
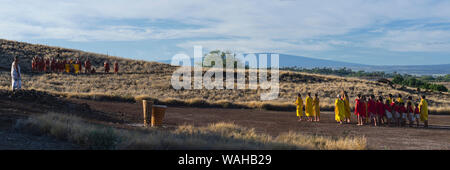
<point x="359" y="110"/>
<point x="63" y="66"/>
<point x="389" y="111"/>
<point x="372" y="109"/>
<point x="106" y="66"/>
<point x="80" y="65"/>
<point x="87" y="66"/>
<point x="47" y="65"/>
<point x="381" y="112"/>
<point x="60" y="66"/>
<point x="116" y="67"/>
<point x="403" y="114"/>
<point x="410" y="112"/>
<point x="398" y="112"/>
<point x="38" y="64"/>
<point x="53" y="65"/>
<point x="33" y="64"/>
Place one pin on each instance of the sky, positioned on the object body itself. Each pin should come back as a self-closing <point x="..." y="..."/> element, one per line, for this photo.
<point x="376" y="32"/>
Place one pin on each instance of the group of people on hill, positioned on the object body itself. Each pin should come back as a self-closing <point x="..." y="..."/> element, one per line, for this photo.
<point x="52" y="65"/>
<point x="368" y="110"/>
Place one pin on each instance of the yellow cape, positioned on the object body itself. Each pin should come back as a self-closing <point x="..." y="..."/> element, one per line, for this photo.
<point x="339" y="110"/>
<point x="299" y="104"/>
<point x="67" y="67"/>
<point x="316" y="106"/>
<point x="309" y="106"/>
<point x="423" y="107"/>
<point x="77" y="68"/>
<point x="347" y="107"/>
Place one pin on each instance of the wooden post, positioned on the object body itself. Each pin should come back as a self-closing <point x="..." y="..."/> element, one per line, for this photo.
<point x="144" y="106"/>
<point x="147" y="107"/>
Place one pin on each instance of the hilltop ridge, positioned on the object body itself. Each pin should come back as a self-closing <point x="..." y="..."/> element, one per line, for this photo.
<point x="26" y="51"/>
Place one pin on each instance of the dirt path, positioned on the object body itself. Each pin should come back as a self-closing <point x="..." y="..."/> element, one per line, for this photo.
<point x="275" y="123"/>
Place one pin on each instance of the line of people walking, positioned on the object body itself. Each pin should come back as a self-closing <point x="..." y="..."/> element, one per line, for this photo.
<point x="368" y="110"/>
<point x="53" y="65"/>
<point x="390" y="111"/>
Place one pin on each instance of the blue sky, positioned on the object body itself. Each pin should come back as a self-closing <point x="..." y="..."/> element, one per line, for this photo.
<point x="378" y="32"/>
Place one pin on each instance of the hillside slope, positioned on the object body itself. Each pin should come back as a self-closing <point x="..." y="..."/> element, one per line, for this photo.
<point x="25" y="51"/>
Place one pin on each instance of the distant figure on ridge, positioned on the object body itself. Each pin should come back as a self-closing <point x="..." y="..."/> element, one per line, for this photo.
<point x="33" y="64"/>
<point x="116" y="67"/>
<point x="76" y="66"/>
<point x="87" y="66"/>
<point x="106" y="65"/>
<point x="46" y="65"/>
<point x="66" y="66"/>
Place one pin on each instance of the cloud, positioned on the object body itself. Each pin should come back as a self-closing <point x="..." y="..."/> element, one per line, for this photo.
<point x="252" y="25"/>
<point x="413" y="41"/>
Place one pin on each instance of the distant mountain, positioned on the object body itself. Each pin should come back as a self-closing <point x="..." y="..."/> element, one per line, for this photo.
<point x="412" y="69"/>
<point x="306" y="62"/>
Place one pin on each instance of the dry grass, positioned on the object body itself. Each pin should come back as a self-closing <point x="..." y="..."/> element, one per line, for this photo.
<point x="130" y="87"/>
<point x="214" y="136"/>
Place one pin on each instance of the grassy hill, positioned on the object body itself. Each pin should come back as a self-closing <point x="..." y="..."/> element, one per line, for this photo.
<point x="25" y="51"/>
<point x="141" y="79"/>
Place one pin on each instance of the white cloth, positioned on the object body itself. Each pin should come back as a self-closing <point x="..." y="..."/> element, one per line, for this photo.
<point x="16" y="77"/>
<point x="411" y="117"/>
<point x="388" y="114"/>
<point x="397" y="115"/>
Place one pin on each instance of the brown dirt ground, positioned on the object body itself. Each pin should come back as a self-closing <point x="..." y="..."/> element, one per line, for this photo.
<point x="277" y="122"/>
<point x="120" y="114"/>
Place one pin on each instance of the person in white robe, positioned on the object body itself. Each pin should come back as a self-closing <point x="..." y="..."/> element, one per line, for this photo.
<point x="16" y="76"/>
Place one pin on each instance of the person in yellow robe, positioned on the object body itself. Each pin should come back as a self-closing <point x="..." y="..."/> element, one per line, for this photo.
<point x="309" y="111"/>
<point x="67" y="66"/>
<point x="423" y="109"/>
<point x="347" y="107"/>
<point x="399" y="99"/>
<point x="339" y="109"/>
<point x="390" y="98"/>
<point x="76" y="66"/>
<point x="316" y="108"/>
<point x="299" y="104"/>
